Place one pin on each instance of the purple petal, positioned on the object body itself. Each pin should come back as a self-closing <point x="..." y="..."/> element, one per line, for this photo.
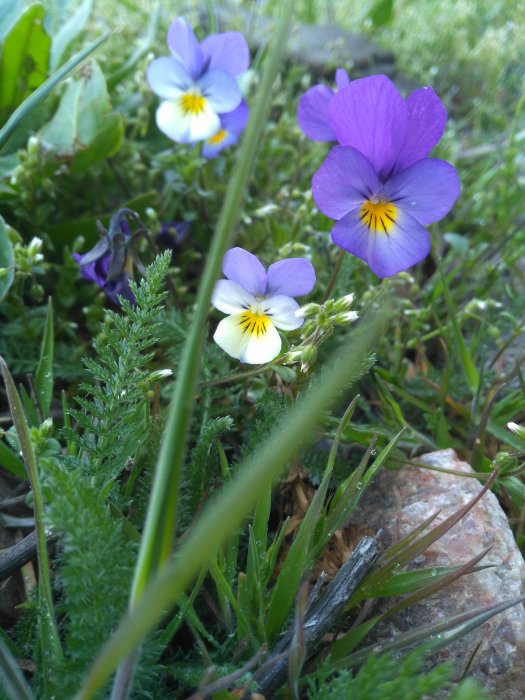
<point x="212" y="148"/>
<point x="245" y="268"/>
<point x="341" y="78"/>
<point x="343" y="182"/>
<point x="404" y="246"/>
<point x="236" y="120"/>
<point x="350" y="235"/>
<point x="221" y="90"/>
<point x="185" y="47"/>
<point x="167" y="77"/>
<point x="227" y="51"/>
<point x="312" y="116"/>
<point x="426" y="190"/>
<point x="427" y="118"/>
<point x="371" y="115"/>
<point x="293" y="277"/>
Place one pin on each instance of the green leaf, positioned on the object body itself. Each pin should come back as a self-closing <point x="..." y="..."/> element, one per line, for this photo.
<point x="12" y="127"/>
<point x="68" y="32"/>
<point x="44" y="370"/>
<point x="382" y="12"/>
<point x="11" y="463"/>
<point x="84" y="128"/>
<point x="25" y="59"/>
<point x="7" y="260"/>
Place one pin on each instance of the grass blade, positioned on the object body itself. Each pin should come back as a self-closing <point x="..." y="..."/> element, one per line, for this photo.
<point x="44" y="370"/>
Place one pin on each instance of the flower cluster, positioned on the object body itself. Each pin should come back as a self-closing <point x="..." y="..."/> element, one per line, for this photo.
<point x="199" y="87"/>
<point x="379" y="183"/>
<point x="259" y="302"/>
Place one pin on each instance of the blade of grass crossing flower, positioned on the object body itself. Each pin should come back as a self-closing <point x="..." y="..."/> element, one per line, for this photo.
<point x="30" y="103"/>
<point x="13" y="681"/>
<point x="225" y="512"/>
<point x="44" y="370"/>
<point x="47" y="625"/>
<point x="161" y="515"/>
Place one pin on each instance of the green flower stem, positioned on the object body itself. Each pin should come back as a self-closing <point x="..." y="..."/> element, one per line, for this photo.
<point x="160" y="521"/>
<point x="335" y="274"/>
<point x="225" y="513"/>
<point x="48" y="628"/>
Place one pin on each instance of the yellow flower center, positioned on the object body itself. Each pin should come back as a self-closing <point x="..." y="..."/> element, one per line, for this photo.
<point x="254" y="322"/>
<point x="379" y="216"/>
<point x="218" y="137"/>
<point x="192" y="103"/>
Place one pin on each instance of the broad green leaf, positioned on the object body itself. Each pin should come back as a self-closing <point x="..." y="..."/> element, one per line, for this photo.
<point x="7" y="261"/>
<point x="13" y="127"/>
<point x="25" y="59"/>
<point x="68" y="32"/>
<point x="381" y="12"/>
<point x="44" y="370"/>
<point x="9" y="11"/>
<point x="84" y="128"/>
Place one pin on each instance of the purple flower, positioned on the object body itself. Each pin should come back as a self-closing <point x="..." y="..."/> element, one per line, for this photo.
<point x="379" y="184"/>
<point x="232" y="126"/>
<point x="110" y="263"/>
<point x="312" y="109"/>
<point x="197" y="82"/>
<point x="258" y="302"/>
<point x="172" y="234"/>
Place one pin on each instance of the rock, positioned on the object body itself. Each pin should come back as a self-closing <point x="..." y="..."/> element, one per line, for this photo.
<point x="397" y="502"/>
<point x="320" y="48"/>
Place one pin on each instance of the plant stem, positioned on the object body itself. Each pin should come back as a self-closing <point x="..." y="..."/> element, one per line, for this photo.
<point x="335" y="273"/>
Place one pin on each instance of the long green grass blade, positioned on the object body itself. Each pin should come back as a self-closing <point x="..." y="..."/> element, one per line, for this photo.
<point x="13" y="681"/>
<point x="44" y="370"/>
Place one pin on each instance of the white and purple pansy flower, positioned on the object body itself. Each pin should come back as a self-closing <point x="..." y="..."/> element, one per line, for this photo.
<point x="232" y="126"/>
<point x="379" y="184"/>
<point x="312" y="109"/>
<point x="258" y="302"/>
<point x="197" y="82"/>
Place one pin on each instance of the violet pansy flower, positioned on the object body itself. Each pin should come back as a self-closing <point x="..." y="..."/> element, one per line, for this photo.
<point x="312" y="109"/>
<point x="197" y="82"/>
<point x="258" y="303"/>
<point x="232" y="126"/>
<point x="379" y="184"/>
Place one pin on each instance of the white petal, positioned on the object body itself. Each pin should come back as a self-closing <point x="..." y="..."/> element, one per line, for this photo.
<point x="231" y="298"/>
<point x="247" y="347"/>
<point x="185" y="127"/>
<point x="281" y="309"/>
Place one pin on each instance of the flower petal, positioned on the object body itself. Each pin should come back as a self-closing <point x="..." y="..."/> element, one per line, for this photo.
<point x="186" y="127"/>
<point x="236" y="120"/>
<point x="426" y="190"/>
<point x="312" y="116"/>
<point x="427" y="118"/>
<point x="407" y="243"/>
<point x="185" y="47"/>
<point x="351" y="235"/>
<point x="227" y="51"/>
<point x="248" y="347"/>
<point x="231" y="298"/>
<point x="221" y="90"/>
<point x="341" y="78"/>
<point x="212" y="146"/>
<point x="343" y="182"/>
<point x="292" y="277"/>
<point x="246" y="269"/>
<point x="370" y="115"/>
<point x="167" y="77"/>
<point x="281" y="309"/>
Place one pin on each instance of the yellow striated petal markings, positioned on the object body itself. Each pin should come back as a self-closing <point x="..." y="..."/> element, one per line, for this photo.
<point x="218" y="137"/>
<point x="254" y="323"/>
<point x="192" y="103"/>
<point x="378" y="216"/>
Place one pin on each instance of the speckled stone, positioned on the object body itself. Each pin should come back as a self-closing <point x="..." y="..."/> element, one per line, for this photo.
<point x="397" y="502"/>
